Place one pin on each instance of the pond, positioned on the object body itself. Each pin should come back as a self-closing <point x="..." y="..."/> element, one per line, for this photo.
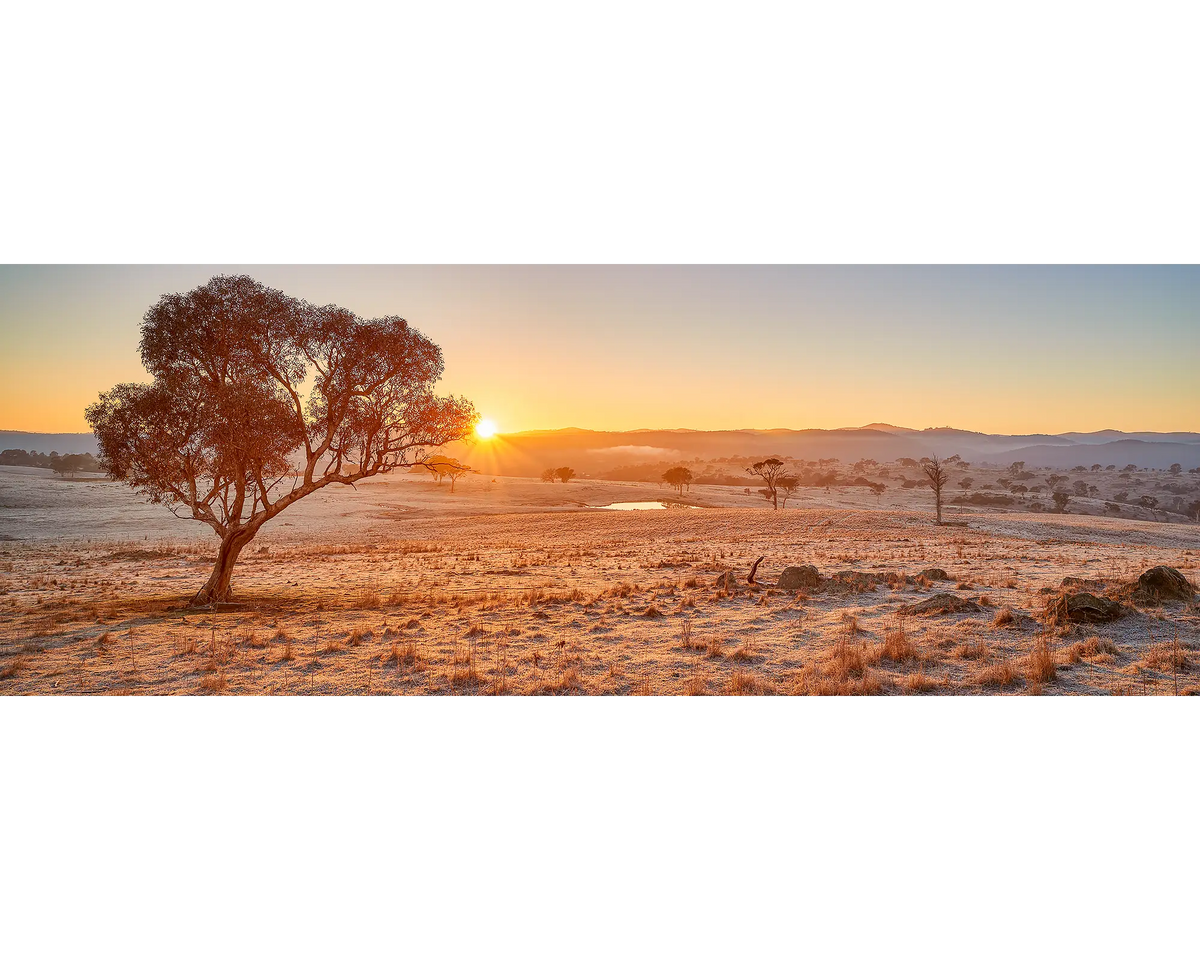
<point x="648" y="505"/>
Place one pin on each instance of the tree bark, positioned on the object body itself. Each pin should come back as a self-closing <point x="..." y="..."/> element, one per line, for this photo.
<point x="218" y="589"/>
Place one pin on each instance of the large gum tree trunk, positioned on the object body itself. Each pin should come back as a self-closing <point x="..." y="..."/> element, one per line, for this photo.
<point x="218" y="590"/>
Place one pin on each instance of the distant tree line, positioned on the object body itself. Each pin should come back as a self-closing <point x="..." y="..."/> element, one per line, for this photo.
<point x="70" y="464"/>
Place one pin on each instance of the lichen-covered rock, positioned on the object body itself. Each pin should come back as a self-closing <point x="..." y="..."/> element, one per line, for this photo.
<point x="934" y="573"/>
<point x="1162" y="583"/>
<point x="804" y="577"/>
<point x="939" y="603"/>
<point x="1084" y="608"/>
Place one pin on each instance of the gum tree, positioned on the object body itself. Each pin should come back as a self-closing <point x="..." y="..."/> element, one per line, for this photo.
<point x="260" y="399"/>
<point x="770" y="472"/>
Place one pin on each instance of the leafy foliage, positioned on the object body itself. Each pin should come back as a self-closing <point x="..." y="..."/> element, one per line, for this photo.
<point x="260" y="399"/>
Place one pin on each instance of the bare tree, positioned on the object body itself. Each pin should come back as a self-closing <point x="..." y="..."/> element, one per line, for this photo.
<point x="770" y="471"/>
<point x="936" y="478"/>
<point x="548" y="475"/>
<point x="260" y="399"/>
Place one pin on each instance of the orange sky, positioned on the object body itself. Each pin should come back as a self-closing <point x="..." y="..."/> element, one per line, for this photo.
<point x="1004" y="350"/>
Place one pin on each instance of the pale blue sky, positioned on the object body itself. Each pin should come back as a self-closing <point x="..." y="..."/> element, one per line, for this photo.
<point x="999" y="349"/>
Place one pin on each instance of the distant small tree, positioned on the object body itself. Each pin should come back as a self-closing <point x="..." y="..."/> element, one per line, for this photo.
<point x="678" y="477"/>
<point x="1081" y="488"/>
<point x="770" y="471"/>
<point x="1175" y="469"/>
<point x="564" y="474"/>
<point x="787" y="485"/>
<point x="966" y="483"/>
<point x="1151" y="504"/>
<point x="1096" y="468"/>
<point x="1193" y="510"/>
<point x="443" y="467"/>
<point x="936" y="478"/>
<point x="1061" y="499"/>
<point x="548" y="475"/>
<point x="1017" y="467"/>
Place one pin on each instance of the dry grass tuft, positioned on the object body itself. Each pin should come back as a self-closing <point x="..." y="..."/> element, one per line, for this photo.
<point x="714" y="648"/>
<point x="569" y="681"/>
<point x="695" y="687"/>
<point x="999" y="674"/>
<point x="357" y="637"/>
<point x="1167" y="658"/>
<point x="688" y="638"/>
<point x="10" y="669"/>
<point x="368" y="599"/>
<point x="896" y="647"/>
<point x="289" y="652"/>
<point x="973" y="650"/>
<point x="745" y="684"/>
<point x="249" y="638"/>
<point x="746" y="652"/>
<point x="1004" y="617"/>
<point x="850" y="625"/>
<point x="1041" y="667"/>
<point x="214" y="682"/>
<point x="920" y="683"/>
<point x="833" y="679"/>
<point x="1093" y="648"/>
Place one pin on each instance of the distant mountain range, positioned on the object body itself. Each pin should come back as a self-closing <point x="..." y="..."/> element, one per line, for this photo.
<point x="530" y="452"/>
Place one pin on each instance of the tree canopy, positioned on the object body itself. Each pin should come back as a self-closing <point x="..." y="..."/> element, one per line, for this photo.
<point x="678" y="477"/>
<point x="771" y="472"/>
<point x="260" y="399"/>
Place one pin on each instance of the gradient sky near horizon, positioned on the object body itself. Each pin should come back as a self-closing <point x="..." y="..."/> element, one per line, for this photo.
<point x="994" y="349"/>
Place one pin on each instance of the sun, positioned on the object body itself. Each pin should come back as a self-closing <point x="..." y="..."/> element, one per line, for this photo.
<point x="485" y="429"/>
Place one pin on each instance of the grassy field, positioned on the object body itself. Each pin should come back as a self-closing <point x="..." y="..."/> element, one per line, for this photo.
<point x="527" y="589"/>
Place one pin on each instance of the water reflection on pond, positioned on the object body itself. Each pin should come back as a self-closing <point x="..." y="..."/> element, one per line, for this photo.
<point x="648" y="505"/>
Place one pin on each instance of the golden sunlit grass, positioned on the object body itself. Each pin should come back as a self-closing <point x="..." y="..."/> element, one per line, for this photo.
<point x="565" y="603"/>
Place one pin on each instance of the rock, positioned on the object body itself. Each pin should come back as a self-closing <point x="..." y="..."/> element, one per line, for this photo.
<point x="853" y="581"/>
<point x="1084" y="608"/>
<point x="934" y="573"/>
<point x="939" y="603"/>
<point x="1162" y="583"/>
<point x="727" y="581"/>
<point x="805" y="577"/>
